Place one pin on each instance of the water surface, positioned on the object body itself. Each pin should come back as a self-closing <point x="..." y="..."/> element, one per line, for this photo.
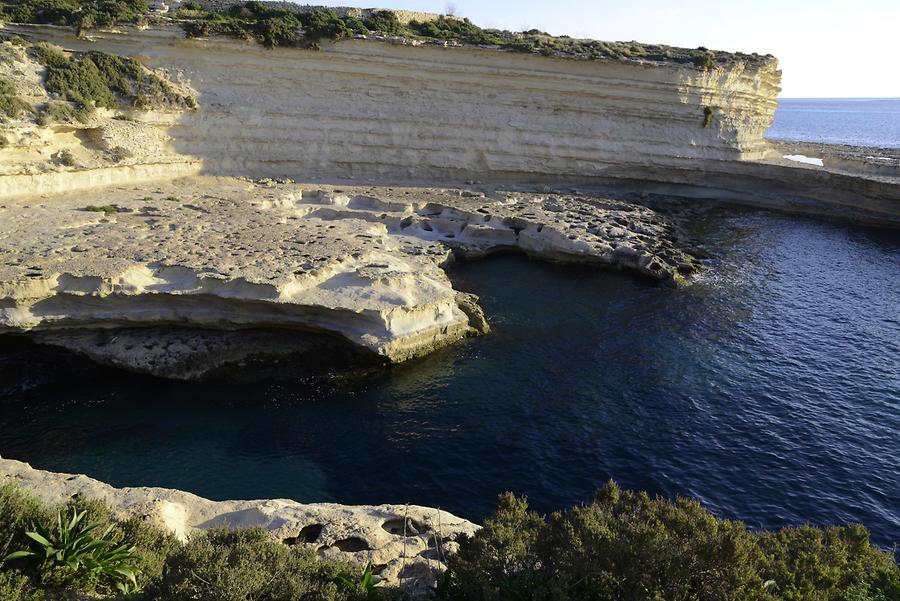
<point x="854" y="121"/>
<point x="770" y="390"/>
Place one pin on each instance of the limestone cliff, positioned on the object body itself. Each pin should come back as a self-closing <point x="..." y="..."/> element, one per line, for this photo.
<point x="367" y="108"/>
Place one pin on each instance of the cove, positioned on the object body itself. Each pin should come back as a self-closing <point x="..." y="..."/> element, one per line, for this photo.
<point x="769" y="389"/>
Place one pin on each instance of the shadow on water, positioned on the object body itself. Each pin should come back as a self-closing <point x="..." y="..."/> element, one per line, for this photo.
<point x="769" y="389"/>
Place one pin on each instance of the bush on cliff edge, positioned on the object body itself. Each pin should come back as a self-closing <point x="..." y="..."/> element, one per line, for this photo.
<point x="628" y="546"/>
<point x="623" y="546"/>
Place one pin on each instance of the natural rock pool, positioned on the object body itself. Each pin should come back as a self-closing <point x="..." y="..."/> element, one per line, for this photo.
<point x="769" y="389"/>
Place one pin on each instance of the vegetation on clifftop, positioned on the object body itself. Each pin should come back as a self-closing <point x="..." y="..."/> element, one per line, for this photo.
<point x="623" y="545"/>
<point x="304" y="28"/>
<point x="630" y="546"/>
<point x="11" y="105"/>
<point x="276" y="25"/>
<point x="151" y="564"/>
<point x="83" y="14"/>
<point x="97" y="79"/>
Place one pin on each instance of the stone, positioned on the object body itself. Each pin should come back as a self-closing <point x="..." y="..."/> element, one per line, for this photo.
<point x="407" y="541"/>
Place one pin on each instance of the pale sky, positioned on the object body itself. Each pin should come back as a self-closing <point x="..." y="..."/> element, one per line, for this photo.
<point x="826" y="48"/>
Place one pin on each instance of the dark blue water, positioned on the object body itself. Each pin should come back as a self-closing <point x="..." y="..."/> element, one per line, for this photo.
<point x="858" y="122"/>
<point x="770" y="390"/>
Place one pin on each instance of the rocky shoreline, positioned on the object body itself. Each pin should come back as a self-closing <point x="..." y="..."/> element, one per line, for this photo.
<point x="127" y="282"/>
<point x="406" y="544"/>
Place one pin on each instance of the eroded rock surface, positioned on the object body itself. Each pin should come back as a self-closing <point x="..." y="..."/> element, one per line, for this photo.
<point x="228" y="254"/>
<point x="405" y="543"/>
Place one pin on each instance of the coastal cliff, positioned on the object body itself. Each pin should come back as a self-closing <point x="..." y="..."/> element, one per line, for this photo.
<point x="397" y="111"/>
<point x="161" y="212"/>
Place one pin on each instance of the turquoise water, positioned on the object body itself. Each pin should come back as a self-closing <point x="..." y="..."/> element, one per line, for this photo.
<point x="770" y="390"/>
<point x="855" y="121"/>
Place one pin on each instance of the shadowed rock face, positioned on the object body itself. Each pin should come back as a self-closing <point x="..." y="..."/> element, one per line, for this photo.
<point x="405" y="542"/>
<point x="185" y="353"/>
<point x="184" y="282"/>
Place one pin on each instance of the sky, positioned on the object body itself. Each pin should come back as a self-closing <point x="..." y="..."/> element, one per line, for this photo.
<point x="826" y="48"/>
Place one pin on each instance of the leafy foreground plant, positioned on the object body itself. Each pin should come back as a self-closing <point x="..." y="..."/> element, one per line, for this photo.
<point x="628" y="546"/>
<point x="72" y="553"/>
<point x="367" y="583"/>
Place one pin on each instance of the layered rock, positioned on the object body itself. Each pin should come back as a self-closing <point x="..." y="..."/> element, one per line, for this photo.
<point x="392" y="111"/>
<point x="369" y="108"/>
<point x="407" y="544"/>
<point x="363" y="264"/>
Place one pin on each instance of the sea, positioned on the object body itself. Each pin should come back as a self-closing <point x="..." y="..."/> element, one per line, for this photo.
<point x="769" y="389"/>
<point x="853" y="121"/>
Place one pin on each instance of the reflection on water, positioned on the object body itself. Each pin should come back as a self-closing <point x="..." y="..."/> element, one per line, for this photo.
<point x="770" y="389"/>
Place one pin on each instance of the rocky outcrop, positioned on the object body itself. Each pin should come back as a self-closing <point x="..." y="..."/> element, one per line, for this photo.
<point x="406" y="544"/>
<point x="220" y="255"/>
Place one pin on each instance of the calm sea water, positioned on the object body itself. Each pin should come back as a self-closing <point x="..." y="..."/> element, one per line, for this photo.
<point x="859" y="122"/>
<point x="770" y="390"/>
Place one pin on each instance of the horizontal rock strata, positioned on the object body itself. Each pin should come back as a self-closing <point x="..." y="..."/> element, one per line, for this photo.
<point x="395" y="112"/>
<point x="363" y="264"/>
<point x="405" y="543"/>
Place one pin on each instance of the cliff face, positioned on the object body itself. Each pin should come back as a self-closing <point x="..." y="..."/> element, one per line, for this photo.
<point x="374" y="109"/>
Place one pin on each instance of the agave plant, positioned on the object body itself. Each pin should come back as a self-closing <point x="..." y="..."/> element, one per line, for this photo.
<point x="367" y="583"/>
<point x="72" y="544"/>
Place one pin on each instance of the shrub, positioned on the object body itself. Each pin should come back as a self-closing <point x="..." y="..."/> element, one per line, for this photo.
<point x="105" y="209"/>
<point x="11" y="106"/>
<point x="66" y="158"/>
<point x="152" y="548"/>
<point x="18" y="512"/>
<point x="249" y="21"/>
<point x="705" y="62"/>
<point x="707" y="116"/>
<point x="15" y="586"/>
<point x="99" y="79"/>
<point x="213" y="566"/>
<point x="83" y="14"/>
<point x="326" y="24"/>
<point x="386" y="22"/>
<point x="75" y="552"/>
<point x="628" y="546"/>
<point x="58" y="111"/>
<point x="500" y="561"/>
<point x="219" y="565"/>
<point x="813" y="564"/>
<point x="461" y="30"/>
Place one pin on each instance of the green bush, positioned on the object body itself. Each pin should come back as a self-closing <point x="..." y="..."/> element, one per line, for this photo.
<point x="461" y="30"/>
<point x="79" y="13"/>
<point x="815" y="564"/>
<point x="59" y="111"/>
<point x="705" y="62"/>
<point x="386" y="22"/>
<point x="213" y="566"/>
<point x="326" y="24"/>
<point x="219" y="565"/>
<point x="18" y="512"/>
<point x="96" y="79"/>
<point x="250" y="21"/>
<point x="78" y="552"/>
<point x="11" y="106"/>
<point x="630" y="546"/>
<point x="66" y="158"/>
<point x="15" y="586"/>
